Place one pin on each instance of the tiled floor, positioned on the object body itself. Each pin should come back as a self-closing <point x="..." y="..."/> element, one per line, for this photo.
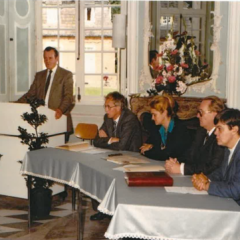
<point x="61" y="224"/>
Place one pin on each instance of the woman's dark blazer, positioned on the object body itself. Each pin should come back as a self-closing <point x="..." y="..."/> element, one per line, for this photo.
<point x="178" y="141"/>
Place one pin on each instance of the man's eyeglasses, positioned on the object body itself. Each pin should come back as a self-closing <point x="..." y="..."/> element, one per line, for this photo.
<point x="201" y="112"/>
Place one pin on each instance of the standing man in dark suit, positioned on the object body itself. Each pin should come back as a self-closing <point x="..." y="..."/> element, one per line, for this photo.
<point x="205" y="155"/>
<point x="55" y="86"/>
<point x="225" y="180"/>
<point x="121" y="129"/>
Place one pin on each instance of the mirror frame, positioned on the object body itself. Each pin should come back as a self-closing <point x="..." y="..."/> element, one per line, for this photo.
<point x="146" y="78"/>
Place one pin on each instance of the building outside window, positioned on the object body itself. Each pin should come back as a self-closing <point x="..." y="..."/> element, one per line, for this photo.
<point x="82" y="33"/>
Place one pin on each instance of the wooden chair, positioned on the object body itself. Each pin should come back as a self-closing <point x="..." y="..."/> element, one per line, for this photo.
<point x="86" y="131"/>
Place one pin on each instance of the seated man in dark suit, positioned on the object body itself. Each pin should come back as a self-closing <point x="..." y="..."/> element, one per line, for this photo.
<point x="121" y="129"/>
<point x="205" y="155"/>
<point x="225" y="180"/>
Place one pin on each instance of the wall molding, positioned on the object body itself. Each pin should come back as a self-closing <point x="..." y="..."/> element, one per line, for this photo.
<point x="233" y="59"/>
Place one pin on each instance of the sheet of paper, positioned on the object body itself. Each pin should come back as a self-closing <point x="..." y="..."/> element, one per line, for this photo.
<point x="185" y="190"/>
<point x="145" y="168"/>
<point x="75" y="147"/>
<point x="126" y="159"/>
<point x="122" y="168"/>
<point x="94" y="150"/>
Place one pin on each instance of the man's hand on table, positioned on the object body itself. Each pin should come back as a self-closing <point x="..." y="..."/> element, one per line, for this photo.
<point x="200" y="182"/>
<point x="172" y="165"/>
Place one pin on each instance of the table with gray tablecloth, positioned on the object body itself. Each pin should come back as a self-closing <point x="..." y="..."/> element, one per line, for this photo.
<point x="138" y="212"/>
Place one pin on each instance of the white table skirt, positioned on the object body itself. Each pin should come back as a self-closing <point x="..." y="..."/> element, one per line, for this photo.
<point x="138" y="212"/>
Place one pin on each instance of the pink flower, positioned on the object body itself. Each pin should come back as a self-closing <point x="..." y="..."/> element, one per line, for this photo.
<point x="159" y="79"/>
<point x="197" y="52"/>
<point x="159" y="68"/>
<point x="170" y="68"/>
<point x="172" y="79"/>
<point x="184" y="65"/>
<point x="174" y="52"/>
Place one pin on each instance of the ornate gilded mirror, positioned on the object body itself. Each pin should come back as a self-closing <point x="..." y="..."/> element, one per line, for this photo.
<point x="199" y="19"/>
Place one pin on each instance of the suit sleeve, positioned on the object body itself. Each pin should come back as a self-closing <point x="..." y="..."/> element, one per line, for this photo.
<point x="102" y="142"/>
<point x="67" y="100"/>
<point x="32" y="92"/>
<point x="226" y="188"/>
<point x="209" y="166"/>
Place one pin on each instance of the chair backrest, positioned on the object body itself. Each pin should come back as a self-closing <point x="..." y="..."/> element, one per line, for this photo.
<point x="86" y="131"/>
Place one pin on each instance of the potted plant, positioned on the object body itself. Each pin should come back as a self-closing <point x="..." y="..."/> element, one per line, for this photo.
<point x="40" y="195"/>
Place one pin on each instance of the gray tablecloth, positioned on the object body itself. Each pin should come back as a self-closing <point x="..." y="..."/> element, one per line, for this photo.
<point x="143" y="212"/>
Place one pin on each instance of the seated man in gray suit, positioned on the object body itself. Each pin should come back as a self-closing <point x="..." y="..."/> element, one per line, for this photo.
<point x="54" y="85"/>
<point x="225" y="180"/>
<point x="121" y="129"/>
<point x="204" y="155"/>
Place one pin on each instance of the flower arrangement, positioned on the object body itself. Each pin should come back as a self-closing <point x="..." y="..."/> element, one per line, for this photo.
<point x="179" y="66"/>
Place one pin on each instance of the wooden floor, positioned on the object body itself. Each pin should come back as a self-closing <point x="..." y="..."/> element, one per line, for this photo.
<point x="61" y="224"/>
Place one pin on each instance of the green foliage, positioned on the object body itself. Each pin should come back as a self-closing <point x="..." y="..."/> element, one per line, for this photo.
<point x="34" y="140"/>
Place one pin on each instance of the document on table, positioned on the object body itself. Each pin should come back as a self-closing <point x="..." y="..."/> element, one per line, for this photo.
<point x="75" y="147"/>
<point x="122" y="168"/>
<point x="145" y="168"/>
<point x="126" y="159"/>
<point x="94" y="150"/>
<point x="184" y="190"/>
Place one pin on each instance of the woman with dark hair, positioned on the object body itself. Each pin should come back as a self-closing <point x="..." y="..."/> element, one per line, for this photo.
<point x="170" y="138"/>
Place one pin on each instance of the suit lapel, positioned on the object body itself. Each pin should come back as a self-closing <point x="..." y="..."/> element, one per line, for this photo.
<point x="56" y="79"/>
<point x="228" y="166"/>
<point x="42" y="84"/>
<point x="209" y="141"/>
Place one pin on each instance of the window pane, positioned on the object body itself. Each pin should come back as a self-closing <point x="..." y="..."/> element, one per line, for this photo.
<point x="67" y="2"/>
<point x="93" y="85"/>
<point x="108" y="13"/>
<point x="50" y="39"/>
<point x="92" y="41"/>
<point x="110" y="84"/>
<point x="110" y="62"/>
<point x="196" y="5"/>
<point x="107" y="41"/>
<point x="67" y="18"/>
<point x="49" y="18"/>
<point x="93" y="17"/>
<point x="92" y="3"/>
<point x="67" y="61"/>
<point x="112" y="2"/>
<point x="93" y="62"/>
<point x="67" y="40"/>
<point x="49" y="2"/>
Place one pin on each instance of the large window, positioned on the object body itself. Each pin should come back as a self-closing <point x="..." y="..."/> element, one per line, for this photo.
<point x="82" y="32"/>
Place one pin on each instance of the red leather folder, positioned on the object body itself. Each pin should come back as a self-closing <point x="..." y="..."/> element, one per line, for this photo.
<point x="144" y="179"/>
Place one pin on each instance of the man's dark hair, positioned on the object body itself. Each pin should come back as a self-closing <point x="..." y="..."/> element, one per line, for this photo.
<point x="118" y="98"/>
<point x="230" y="117"/>
<point x="47" y="49"/>
<point x="152" y="55"/>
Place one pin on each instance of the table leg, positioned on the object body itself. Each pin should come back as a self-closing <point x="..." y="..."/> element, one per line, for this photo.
<point x="29" y="186"/>
<point x="73" y="198"/>
<point x="80" y="222"/>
